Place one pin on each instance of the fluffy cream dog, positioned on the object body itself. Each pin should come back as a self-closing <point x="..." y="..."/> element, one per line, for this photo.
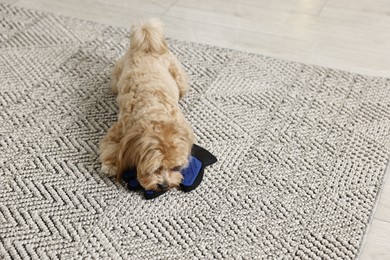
<point x="151" y="133"/>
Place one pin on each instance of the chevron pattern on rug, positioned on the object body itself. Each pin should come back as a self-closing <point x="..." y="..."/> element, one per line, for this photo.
<point x="302" y="152"/>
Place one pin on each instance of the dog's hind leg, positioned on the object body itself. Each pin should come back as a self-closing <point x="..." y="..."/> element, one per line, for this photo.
<point x="178" y="73"/>
<point x="116" y="73"/>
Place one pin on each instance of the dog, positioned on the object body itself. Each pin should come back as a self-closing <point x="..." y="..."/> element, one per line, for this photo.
<point x="151" y="133"/>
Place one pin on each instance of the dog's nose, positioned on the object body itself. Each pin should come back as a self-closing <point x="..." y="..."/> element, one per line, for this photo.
<point x="163" y="186"/>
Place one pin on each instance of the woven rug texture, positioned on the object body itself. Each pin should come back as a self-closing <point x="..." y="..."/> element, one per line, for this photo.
<point x="302" y="152"/>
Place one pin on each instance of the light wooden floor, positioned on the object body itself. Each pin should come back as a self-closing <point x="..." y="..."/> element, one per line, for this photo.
<point x="352" y="35"/>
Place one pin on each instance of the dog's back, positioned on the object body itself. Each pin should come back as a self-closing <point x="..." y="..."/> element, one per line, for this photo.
<point x="148" y="66"/>
<point x="147" y="45"/>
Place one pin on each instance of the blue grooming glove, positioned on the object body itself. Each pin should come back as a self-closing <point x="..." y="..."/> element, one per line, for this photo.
<point x="192" y="175"/>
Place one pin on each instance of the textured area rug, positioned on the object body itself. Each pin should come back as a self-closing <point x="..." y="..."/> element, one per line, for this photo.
<point x="302" y="152"/>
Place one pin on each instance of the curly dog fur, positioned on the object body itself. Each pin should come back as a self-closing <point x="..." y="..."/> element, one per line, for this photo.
<point x="151" y="132"/>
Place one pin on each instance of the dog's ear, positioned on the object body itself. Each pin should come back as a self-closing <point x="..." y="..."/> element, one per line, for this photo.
<point x="125" y="158"/>
<point x="187" y="135"/>
<point x="139" y="148"/>
<point x="177" y="142"/>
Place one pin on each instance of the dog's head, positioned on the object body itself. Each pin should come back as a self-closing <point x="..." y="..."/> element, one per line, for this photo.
<point x="159" y="150"/>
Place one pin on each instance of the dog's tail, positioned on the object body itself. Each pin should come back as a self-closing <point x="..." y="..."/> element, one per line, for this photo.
<point x="148" y="37"/>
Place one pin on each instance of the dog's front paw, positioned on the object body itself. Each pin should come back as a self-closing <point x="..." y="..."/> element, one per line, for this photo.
<point x="110" y="171"/>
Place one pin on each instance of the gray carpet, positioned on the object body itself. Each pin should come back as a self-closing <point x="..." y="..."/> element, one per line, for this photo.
<point x="302" y="152"/>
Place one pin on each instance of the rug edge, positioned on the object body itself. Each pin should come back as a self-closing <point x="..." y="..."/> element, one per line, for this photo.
<point x="385" y="178"/>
